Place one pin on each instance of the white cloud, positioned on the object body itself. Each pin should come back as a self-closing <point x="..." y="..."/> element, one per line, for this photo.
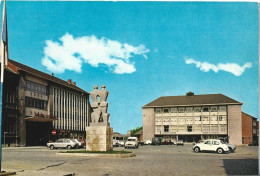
<point x="71" y="53"/>
<point x="233" y="68"/>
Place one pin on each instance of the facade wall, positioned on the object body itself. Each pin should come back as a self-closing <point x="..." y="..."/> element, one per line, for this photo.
<point x="197" y="120"/>
<point x="247" y="129"/>
<point x="148" y="123"/>
<point x="235" y="124"/>
<point x="71" y="110"/>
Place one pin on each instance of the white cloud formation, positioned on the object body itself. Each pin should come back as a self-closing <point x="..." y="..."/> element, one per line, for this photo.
<point x="233" y="68"/>
<point x="71" y="53"/>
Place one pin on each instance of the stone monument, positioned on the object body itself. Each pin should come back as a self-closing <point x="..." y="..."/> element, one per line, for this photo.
<point x="99" y="134"/>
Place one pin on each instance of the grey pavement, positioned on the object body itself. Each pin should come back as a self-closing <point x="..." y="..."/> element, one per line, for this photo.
<point x="149" y="160"/>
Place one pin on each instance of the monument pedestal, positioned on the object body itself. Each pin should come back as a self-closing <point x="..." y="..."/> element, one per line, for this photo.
<point x="99" y="138"/>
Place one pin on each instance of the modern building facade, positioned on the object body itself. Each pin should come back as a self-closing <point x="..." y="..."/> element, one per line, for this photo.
<point x="193" y="117"/>
<point x="38" y="107"/>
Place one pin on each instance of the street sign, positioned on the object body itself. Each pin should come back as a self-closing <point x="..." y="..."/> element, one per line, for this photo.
<point x="53" y="132"/>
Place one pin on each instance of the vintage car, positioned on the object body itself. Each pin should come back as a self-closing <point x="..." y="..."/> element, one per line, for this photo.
<point x="213" y="145"/>
<point x="63" y="143"/>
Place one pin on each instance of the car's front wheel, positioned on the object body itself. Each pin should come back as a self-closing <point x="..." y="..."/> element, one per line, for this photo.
<point x="196" y="149"/>
<point x="220" y="150"/>
<point x="69" y="147"/>
<point x="52" y="147"/>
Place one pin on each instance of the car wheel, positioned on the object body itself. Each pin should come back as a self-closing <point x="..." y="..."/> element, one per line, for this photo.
<point x="52" y="147"/>
<point x="69" y="147"/>
<point x="220" y="150"/>
<point x="196" y="149"/>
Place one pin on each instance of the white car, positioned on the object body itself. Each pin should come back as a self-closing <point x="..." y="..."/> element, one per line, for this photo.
<point x="211" y="145"/>
<point x="132" y="142"/>
<point x="121" y="143"/>
<point x="62" y="143"/>
<point x="147" y="142"/>
<point x="77" y="142"/>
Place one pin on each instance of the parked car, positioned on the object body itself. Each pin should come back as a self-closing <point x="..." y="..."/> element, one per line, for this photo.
<point x="140" y="142"/>
<point x="132" y="142"/>
<point x="121" y="143"/>
<point x="253" y="144"/>
<point x="213" y="145"/>
<point x="167" y="142"/>
<point x="157" y="141"/>
<point x="147" y="142"/>
<point x="180" y="142"/>
<point x="115" y="143"/>
<point x="231" y="147"/>
<point x="77" y="141"/>
<point x="63" y="143"/>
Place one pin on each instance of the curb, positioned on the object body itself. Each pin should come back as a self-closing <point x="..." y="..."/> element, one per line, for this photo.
<point x="97" y="155"/>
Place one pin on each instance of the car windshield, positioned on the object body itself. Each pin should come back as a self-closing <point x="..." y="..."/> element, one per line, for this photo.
<point x="130" y="140"/>
<point x="222" y="142"/>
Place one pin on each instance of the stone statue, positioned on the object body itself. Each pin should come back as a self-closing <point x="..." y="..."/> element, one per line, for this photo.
<point x="99" y="116"/>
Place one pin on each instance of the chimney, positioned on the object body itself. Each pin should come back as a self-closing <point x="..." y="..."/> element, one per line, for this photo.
<point x="190" y="94"/>
<point x="74" y="83"/>
<point x="69" y="81"/>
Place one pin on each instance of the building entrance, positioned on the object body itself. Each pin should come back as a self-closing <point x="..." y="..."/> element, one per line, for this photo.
<point x="38" y="133"/>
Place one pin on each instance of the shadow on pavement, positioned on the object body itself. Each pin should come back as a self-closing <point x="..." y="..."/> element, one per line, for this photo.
<point x="241" y="166"/>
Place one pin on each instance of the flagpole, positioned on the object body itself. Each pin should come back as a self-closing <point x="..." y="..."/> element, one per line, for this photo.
<point x="2" y="81"/>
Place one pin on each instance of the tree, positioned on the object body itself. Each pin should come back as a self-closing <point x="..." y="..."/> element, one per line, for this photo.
<point x="136" y="130"/>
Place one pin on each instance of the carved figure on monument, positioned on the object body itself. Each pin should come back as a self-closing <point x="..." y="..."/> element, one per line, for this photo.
<point x="99" y="116"/>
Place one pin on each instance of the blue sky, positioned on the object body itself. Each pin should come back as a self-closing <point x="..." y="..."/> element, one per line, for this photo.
<point x="141" y="50"/>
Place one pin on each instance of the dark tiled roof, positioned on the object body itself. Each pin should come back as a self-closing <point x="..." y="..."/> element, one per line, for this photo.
<point x="44" y="76"/>
<point x="185" y="100"/>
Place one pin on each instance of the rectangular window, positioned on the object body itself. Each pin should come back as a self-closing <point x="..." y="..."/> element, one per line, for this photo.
<point x="214" y="109"/>
<point x="205" y="118"/>
<point x="158" y="110"/>
<point x="214" y="118"/>
<point x="181" y="110"/>
<point x="173" y="110"/>
<point x="197" y="109"/>
<point x="165" y="110"/>
<point x="205" y="109"/>
<point x="222" y="118"/>
<point x="166" y="128"/>
<point x="197" y="118"/>
<point x="189" y="110"/>
<point x="189" y="128"/>
<point x="222" y="109"/>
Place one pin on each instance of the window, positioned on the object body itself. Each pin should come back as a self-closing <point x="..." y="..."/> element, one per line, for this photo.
<point x="197" y="109"/>
<point x="208" y="142"/>
<point x="189" y="110"/>
<point x="197" y="118"/>
<point x="158" y="110"/>
<point x="36" y="103"/>
<point x="214" y="118"/>
<point x="189" y="128"/>
<point x="166" y="128"/>
<point x="205" y="118"/>
<point x="165" y="110"/>
<point x="173" y="110"/>
<point x="222" y="109"/>
<point x="181" y="110"/>
<point x="215" y="142"/>
<point x="205" y="109"/>
<point x="35" y="87"/>
<point x="222" y="118"/>
<point x="214" y="109"/>
<point x="181" y="119"/>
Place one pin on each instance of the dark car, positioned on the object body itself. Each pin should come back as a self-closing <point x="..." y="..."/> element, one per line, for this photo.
<point x="157" y="141"/>
<point x="167" y="142"/>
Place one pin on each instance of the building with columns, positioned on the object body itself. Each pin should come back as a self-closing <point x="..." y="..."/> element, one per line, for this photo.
<point x="37" y="105"/>
<point x="193" y="117"/>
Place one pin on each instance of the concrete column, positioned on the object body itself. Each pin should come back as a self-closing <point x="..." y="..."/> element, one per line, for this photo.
<point x="22" y="122"/>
